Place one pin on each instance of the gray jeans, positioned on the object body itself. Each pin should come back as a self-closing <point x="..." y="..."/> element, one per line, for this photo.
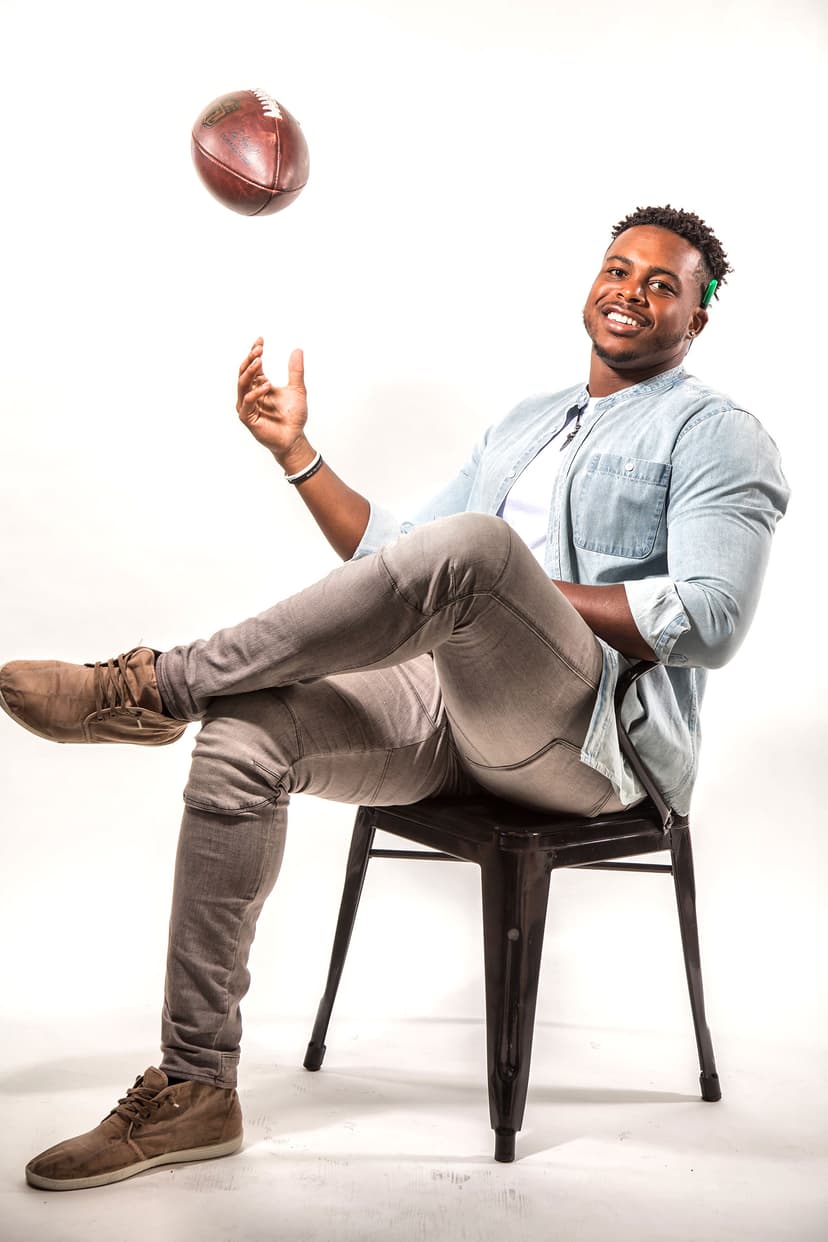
<point x="445" y="663"/>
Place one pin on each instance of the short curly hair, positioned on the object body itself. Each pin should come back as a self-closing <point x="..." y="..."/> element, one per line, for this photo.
<point x="693" y="229"/>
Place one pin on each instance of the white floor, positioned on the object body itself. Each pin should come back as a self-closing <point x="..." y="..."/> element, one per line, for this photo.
<point x="390" y="1141"/>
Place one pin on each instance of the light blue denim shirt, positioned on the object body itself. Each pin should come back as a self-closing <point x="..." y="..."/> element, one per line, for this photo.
<point x="669" y="488"/>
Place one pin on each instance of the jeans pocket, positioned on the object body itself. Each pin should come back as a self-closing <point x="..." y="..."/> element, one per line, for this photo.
<point x="553" y="779"/>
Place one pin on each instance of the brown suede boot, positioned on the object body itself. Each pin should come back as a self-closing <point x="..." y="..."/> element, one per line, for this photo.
<point x="153" y="1124"/>
<point x="113" y="701"/>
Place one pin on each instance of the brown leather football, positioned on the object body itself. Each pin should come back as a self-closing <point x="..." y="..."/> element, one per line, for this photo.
<point x="250" y="153"/>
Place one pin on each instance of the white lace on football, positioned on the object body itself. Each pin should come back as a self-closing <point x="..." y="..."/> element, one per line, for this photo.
<point x="269" y="105"/>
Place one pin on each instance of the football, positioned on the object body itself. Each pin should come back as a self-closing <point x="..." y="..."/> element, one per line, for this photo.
<point x="250" y="153"/>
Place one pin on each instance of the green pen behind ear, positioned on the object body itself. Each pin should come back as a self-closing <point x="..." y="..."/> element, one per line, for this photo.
<point x="708" y="293"/>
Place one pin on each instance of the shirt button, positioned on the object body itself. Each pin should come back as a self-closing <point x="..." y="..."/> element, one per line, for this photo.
<point x="629" y="465"/>
<point x="511" y="474"/>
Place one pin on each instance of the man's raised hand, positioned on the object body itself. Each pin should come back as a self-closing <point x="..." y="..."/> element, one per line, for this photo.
<point x="275" y="416"/>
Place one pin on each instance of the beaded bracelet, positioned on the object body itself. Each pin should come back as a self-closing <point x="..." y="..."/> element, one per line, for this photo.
<point x="308" y="471"/>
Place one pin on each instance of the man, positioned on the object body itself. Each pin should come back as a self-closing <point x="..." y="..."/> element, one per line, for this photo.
<point x="472" y="653"/>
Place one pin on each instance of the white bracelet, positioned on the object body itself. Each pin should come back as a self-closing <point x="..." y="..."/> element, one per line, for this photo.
<point x="292" y="478"/>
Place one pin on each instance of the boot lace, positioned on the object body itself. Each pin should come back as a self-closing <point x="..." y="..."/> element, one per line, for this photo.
<point x="112" y="690"/>
<point x="139" y="1104"/>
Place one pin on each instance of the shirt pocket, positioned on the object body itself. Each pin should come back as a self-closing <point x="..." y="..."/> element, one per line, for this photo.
<point x="619" y="505"/>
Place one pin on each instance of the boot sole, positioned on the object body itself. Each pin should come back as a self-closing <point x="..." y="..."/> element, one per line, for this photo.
<point x="120" y="1175"/>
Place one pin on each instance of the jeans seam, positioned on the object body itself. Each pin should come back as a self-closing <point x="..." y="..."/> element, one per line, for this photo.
<point x="300" y="753"/>
<point x="521" y="763"/>
<point x="544" y="750"/>
<point x="381" y="780"/>
<point x="370" y="750"/>
<point x="214" y="810"/>
<point x="410" y="683"/>
<point x="230" y="973"/>
<point x="601" y="803"/>
<point x="393" y="584"/>
<point x="297" y="732"/>
<point x="548" y="642"/>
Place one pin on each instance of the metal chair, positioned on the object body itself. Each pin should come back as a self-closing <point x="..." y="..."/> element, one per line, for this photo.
<point x="516" y="850"/>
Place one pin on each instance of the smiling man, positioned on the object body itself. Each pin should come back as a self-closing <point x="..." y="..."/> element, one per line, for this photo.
<point x="474" y="646"/>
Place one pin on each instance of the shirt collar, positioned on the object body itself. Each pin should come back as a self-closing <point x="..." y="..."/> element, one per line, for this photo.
<point x="656" y="383"/>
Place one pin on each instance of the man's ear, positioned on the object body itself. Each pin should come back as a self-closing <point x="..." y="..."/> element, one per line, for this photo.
<point x="697" y="322"/>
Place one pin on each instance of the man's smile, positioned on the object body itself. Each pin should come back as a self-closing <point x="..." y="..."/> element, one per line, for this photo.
<point x="624" y="320"/>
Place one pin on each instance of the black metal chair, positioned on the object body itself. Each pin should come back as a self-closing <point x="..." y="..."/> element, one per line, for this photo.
<point x="516" y="850"/>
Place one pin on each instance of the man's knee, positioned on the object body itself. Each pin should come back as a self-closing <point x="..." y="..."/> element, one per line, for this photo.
<point x="242" y="754"/>
<point x="462" y="554"/>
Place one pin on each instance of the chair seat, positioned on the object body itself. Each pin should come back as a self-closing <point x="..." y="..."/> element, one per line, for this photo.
<point x="471" y="828"/>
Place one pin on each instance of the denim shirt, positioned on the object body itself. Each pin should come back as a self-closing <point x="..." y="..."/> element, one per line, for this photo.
<point x="670" y="489"/>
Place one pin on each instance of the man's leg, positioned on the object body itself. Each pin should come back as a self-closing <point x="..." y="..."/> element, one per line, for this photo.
<point x="371" y="738"/>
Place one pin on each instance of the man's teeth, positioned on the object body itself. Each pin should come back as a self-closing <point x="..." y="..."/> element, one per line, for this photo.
<point x="619" y="318"/>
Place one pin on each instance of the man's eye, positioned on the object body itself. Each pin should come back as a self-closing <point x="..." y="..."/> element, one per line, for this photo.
<point x="661" y="284"/>
<point x="616" y="271"/>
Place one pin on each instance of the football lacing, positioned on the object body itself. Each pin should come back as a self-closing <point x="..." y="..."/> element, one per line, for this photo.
<point x="269" y="105"/>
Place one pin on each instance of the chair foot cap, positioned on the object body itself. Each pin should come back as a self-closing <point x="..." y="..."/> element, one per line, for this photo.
<point x="504" y="1151"/>
<point x="710" y="1089"/>
<point x="314" y="1056"/>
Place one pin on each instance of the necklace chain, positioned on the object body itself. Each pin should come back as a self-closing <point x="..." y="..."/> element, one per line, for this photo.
<point x="573" y="433"/>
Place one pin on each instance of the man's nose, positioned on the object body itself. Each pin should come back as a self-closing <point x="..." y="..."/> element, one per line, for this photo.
<point x="634" y="292"/>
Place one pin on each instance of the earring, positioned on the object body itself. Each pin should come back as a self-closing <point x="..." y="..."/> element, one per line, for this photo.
<point x="691" y="333"/>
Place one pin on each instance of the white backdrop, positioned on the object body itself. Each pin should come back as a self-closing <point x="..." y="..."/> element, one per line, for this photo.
<point x="468" y="160"/>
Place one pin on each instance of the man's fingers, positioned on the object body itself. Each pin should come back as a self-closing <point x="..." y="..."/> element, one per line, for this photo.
<point x="249" y="401"/>
<point x="255" y="352"/>
<point x="251" y="373"/>
<point x="296" y="369"/>
<point x="252" y="376"/>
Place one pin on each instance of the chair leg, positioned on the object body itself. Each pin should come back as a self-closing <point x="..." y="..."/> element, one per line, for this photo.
<point x="515" y="893"/>
<point x="685" y="885"/>
<point x="358" y="856"/>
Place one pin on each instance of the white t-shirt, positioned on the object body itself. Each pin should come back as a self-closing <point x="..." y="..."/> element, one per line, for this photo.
<point x="526" y="507"/>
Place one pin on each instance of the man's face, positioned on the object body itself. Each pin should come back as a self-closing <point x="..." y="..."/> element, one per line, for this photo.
<point x="645" y="301"/>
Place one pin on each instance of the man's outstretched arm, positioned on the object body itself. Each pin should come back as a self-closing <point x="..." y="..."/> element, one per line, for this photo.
<point x="277" y="418"/>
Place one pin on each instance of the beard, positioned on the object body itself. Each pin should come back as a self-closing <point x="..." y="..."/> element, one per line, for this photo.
<point x="626" y="354"/>
<point x="617" y="358"/>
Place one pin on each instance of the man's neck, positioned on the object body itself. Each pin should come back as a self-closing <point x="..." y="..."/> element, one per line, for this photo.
<point x="604" y="379"/>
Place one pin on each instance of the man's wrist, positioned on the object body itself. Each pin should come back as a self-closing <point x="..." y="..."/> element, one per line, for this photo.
<point x="298" y="457"/>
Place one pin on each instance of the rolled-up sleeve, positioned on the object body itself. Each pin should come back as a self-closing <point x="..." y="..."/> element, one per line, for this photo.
<point x="727" y="493"/>
<point x="383" y="527"/>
